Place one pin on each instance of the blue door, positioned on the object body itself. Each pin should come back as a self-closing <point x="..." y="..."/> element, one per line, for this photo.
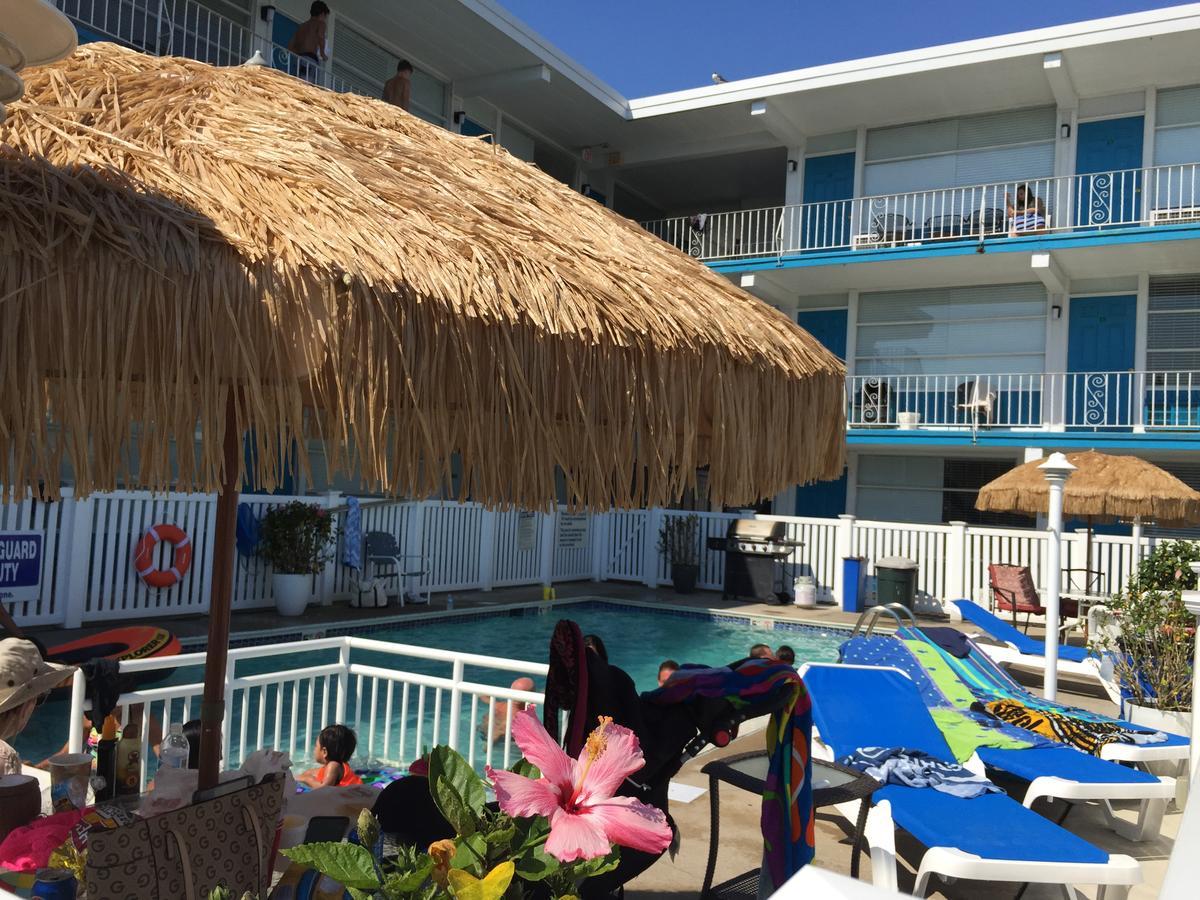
<point x="1100" y="362"/>
<point x="821" y="499"/>
<point x="282" y="31"/>
<point x="827" y="179"/>
<point x="1104" y="153"/>
<point x="828" y="326"/>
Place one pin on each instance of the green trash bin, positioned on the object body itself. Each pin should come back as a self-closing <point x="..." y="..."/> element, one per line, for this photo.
<point x="896" y="581"/>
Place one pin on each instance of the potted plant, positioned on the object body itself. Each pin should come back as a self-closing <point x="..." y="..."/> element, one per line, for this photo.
<point x="1151" y="647"/>
<point x="679" y="543"/>
<point x="296" y="541"/>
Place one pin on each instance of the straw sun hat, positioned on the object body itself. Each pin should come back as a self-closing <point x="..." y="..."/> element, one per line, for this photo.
<point x="24" y="675"/>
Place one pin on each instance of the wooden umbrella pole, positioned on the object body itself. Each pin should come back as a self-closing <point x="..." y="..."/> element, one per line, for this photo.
<point x="212" y="709"/>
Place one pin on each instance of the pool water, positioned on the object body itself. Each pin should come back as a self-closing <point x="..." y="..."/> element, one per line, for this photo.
<point x="637" y="640"/>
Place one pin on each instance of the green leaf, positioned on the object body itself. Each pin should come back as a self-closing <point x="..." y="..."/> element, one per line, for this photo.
<point x="347" y="864"/>
<point x="535" y="864"/>
<point x="409" y="881"/>
<point x="590" y="868"/>
<point x="524" y="767"/>
<point x="356" y="894"/>
<point x="449" y="764"/>
<point x="532" y="832"/>
<point x="501" y="833"/>
<point x="471" y="854"/>
<point x="453" y="807"/>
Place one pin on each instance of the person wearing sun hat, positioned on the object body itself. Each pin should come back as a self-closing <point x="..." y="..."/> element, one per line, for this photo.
<point x="25" y="678"/>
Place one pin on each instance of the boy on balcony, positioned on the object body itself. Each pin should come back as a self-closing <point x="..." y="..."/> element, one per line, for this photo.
<point x="308" y="43"/>
<point x="398" y="89"/>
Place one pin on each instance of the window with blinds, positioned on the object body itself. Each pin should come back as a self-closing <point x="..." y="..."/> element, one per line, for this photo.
<point x="1177" y="127"/>
<point x="365" y="66"/>
<point x="1173" y="324"/>
<point x="1009" y="146"/>
<point x="989" y="329"/>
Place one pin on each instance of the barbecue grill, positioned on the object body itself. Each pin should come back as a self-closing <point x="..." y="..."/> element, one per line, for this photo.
<point x="755" y="550"/>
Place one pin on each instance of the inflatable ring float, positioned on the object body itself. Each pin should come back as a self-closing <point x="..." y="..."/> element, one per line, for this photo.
<point x="143" y="556"/>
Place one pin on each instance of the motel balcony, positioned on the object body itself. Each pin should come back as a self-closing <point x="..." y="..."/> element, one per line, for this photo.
<point x="186" y="28"/>
<point x="1109" y="402"/>
<point x="1155" y="197"/>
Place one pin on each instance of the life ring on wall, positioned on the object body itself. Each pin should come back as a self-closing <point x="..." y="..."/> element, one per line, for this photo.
<point x="143" y="557"/>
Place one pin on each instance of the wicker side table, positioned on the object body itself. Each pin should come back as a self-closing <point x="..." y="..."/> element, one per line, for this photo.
<point x="832" y="784"/>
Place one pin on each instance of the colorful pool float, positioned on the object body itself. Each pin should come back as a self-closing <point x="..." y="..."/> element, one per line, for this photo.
<point x="132" y="642"/>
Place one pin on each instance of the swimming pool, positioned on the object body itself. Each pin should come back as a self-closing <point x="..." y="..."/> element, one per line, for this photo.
<point x="637" y="638"/>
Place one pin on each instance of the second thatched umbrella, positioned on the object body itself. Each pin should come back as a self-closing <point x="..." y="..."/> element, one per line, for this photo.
<point x="1103" y="488"/>
<point x="189" y="255"/>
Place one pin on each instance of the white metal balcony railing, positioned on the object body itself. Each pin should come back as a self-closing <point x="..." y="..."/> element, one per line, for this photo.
<point x="1043" y="401"/>
<point x="1159" y="195"/>
<point x="185" y="28"/>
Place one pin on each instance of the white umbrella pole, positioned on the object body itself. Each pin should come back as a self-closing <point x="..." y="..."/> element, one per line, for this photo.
<point x="1137" y="544"/>
<point x="1057" y="470"/>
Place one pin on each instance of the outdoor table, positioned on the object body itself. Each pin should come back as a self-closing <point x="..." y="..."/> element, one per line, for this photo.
<point x="832" y="784"/>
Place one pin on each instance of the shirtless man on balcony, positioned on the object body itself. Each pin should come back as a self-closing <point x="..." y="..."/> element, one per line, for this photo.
<point x="308" y="42"/>
<point x="398" y="89"/>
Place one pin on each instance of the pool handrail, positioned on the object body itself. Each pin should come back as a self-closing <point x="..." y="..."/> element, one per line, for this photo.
<point x="870" y="617"/>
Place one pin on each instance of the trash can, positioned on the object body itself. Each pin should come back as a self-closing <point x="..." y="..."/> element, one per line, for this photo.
<point x="854" y="584"/>
<point x="896" y="581"/>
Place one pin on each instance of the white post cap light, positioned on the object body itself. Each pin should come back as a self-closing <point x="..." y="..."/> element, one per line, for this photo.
<point x="1057" y="467"/>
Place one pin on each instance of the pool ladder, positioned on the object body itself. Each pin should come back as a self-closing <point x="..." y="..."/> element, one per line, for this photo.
<point x="870" y="617"/>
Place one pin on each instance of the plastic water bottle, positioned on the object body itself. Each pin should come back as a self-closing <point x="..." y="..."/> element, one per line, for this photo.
<point x="175" y="749"/>
<point x="449" y="601"/>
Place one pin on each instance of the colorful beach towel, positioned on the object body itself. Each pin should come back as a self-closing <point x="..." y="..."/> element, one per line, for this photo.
<point x="1090" y="737"/>
<point x="352" y="543"/>
<point x="917" y="769"/>
<point x="787" y="813"/>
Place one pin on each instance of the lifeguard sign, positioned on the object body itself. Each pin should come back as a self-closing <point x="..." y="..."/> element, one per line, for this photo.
<point x="20" y="565"/>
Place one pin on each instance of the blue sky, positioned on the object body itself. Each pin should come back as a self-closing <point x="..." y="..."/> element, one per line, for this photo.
<point x="646" y="47"/>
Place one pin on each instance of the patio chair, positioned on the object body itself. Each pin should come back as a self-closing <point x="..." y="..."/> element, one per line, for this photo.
<point x="988" y="838"/>
<point x="977" y="401"/>
<point x="382" y="553"/>
<point x="1013" y="591"/>
<point x="1053" y="771"/>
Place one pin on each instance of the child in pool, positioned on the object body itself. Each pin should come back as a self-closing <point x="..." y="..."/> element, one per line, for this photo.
<point x="335" y="746"/>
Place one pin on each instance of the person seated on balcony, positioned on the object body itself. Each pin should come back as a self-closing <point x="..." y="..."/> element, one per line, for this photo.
<point x="398" y="89"/>
<point x="1027" y="214"/>
<point x="308" y="42"/>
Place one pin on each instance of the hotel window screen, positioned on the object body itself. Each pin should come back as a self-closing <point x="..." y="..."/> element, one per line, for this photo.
<point x="1173" y="324"/>
<point x="995" y="329"/>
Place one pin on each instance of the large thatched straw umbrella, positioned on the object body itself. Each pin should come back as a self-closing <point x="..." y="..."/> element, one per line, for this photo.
<point x="189" y="255"/>
<point x="1103" y="488"/>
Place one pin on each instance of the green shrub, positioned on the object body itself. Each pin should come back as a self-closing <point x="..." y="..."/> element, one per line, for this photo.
<point x="679" y="540"/>
<point x="1152" y="655"/>
<point x="296" y="538"/>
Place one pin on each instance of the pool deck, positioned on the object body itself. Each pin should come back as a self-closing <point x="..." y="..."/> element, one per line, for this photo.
<point x="741" y="842"/>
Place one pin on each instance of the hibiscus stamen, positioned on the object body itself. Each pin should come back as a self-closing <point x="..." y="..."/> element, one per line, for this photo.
<point x="594" y="747"/>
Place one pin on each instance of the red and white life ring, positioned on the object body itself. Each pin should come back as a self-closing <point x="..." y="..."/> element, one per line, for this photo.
<point x="143" y="557"/>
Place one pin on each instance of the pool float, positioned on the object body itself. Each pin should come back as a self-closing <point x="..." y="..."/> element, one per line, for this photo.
<point x="132" y="642"/>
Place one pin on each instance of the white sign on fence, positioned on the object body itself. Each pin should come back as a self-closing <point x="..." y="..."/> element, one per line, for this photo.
<point x="573" y="531"/>
<point x="526" y="531"/>
<point x="20" y="565"/>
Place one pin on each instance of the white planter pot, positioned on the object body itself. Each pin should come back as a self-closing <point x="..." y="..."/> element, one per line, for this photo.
<point x="1174" y="722"/>
<point x="292" y="593"/>
<point x="1149" y="717"/>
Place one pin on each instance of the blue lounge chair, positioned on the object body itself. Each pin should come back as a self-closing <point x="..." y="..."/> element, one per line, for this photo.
<point x="990" y="838"/>
<point x="1055" y="772"/>
<point x="989" y="681"/>
<point x="1022" y="650"/>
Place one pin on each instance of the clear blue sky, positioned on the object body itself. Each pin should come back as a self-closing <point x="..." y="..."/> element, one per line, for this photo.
<point x="646" y="47"/>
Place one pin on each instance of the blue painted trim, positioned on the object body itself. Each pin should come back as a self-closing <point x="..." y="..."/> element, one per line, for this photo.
<point x="1033" y="243"/>
<point x="1086" y="440"/>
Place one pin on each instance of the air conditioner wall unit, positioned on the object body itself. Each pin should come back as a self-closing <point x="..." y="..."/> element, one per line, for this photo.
<point x="1174" y="215"/>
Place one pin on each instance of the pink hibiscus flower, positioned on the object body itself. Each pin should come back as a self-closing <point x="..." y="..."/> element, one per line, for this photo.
<point x="576" y="795"/>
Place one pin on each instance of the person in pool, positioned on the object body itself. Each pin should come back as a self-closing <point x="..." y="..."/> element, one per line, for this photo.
<point x="499" y="718"/>
<point x="760" y="651"/>
<point x="335" y="746"/>
<point x="786" y="654"/>
<point x="666" y="669"/>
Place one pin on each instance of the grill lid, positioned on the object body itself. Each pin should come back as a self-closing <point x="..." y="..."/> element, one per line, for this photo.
<point x="756" y="530"/>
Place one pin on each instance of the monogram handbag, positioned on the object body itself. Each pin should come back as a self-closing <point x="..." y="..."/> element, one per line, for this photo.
<point x="182" y="855"/>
